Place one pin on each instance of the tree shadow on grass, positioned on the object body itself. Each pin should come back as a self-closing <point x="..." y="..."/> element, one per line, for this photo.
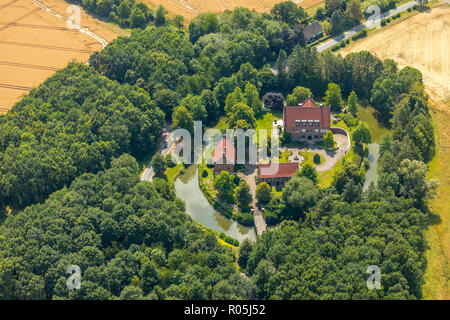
<point x="434" y="219"/>
<point x="423" y="8"/>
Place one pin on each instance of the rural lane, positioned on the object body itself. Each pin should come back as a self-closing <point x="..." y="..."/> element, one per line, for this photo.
<point x="368" y="24"/>
<point x="166" y="147"/>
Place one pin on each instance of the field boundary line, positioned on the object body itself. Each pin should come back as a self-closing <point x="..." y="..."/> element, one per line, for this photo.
<point x="24" y="65"/>
<point x="42" y="46"/>
<point x="6" y="26"/>
<point x="14" y="87"/>
<point x="37" y="26"/>
<point x="8" y="4"/>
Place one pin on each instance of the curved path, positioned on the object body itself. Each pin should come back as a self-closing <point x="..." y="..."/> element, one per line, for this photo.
<point x="102" y="41"/>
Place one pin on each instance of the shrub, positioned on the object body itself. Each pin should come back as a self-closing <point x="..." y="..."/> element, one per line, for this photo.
<point x="316" y="158"/>
<point x="348" y="119"/>
<point x="274" y="101"/>
<point x="245" y="218"/>
<point x="270" y="217"/>
<point x="223" y="209"/>
<point x="229" y="239"/>
<point x="169" y="161"/>
<point x="359" y="35"/>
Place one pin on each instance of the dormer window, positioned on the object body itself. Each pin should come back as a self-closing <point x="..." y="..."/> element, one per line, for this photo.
<point x="297" y="123"/>
<point x="317" y="123"/>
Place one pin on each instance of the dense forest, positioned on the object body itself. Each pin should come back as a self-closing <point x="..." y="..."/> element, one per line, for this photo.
<point x="73" y="194"/>
<point x="73" y="123"/>
<point x="129" y="241"/>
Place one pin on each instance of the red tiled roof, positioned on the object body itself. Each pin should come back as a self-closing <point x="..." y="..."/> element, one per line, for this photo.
<point x="307" y="111"/>
<point x="309" y="103"/>
<point x="224" y="150"/>
<point x="286" y="169"/>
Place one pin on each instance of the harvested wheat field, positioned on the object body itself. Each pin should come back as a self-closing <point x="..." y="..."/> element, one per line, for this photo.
<point x="190" y="8"/>
<point x="34" y="43"/>
<point x="423" y="41"/>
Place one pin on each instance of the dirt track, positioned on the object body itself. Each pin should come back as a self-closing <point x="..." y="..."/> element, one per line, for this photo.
<point x="422" y="41"/>
<point x="190" y="8"/>
<point x="34" y="44"/>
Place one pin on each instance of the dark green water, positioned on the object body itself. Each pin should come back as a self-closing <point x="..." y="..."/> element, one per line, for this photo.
<point x="187" y="189"/>
<point x="371" y="174"/>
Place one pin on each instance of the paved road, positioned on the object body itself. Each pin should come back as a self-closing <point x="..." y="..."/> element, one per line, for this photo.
<point x="166" y="147"/>
<point x="368" y="24"/>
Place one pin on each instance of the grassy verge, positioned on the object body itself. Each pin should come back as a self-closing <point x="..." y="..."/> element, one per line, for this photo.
<point x="437" y="274"/>
<point x="266" y="122"/>
<point x="367" y="115"/>
<point x="172" y="173"/>
<point x="309" y="157"/>
<point x="326" y="177"/>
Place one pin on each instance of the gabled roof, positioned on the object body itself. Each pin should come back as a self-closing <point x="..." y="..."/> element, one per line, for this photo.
<point x="224" y="152"/>
<point x="312" y="30"/>
<point x="309" y="103"/>
<point x="286" y="169"/>
<point x="307" y="111"/>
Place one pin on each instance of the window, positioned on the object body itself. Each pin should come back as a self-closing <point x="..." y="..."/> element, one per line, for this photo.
<point x="304" y="123"/>
<point x="317" y="123"/>
<point x="316" y="131"/>
<point x="297" y="123"/>
<point x="303" y="130"/>
<point x="310" y="122"/>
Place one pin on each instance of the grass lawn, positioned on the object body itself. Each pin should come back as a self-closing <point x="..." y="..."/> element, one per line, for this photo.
<point x="284" y="156"/>
<point x="172" y="173"/>
<point x="206" y="180"/>
<point x="309" y="157"/>
<point x="326" y="177"/>
<point x="367" y="115"/>
<point x="266" y="122"/>
<point x="343" y="125"/>
<point x="437" y="274"/>
<point x="209" y="176"/>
